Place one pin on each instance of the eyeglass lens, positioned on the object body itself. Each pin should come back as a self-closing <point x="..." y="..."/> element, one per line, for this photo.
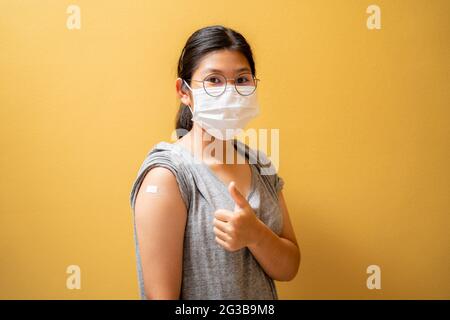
<point x="215" y="84"/>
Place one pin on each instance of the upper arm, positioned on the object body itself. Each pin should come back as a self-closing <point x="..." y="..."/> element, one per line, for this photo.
<point x="160" y="222"/>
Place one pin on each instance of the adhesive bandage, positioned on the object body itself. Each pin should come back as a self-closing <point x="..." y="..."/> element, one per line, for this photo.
<point x="151" y="189"/>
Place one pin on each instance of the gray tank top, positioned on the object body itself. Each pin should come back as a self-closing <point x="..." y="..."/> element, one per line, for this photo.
<point x="209" y="271"/>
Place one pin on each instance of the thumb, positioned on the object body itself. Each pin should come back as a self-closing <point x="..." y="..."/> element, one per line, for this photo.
<point x="239" y="200"/>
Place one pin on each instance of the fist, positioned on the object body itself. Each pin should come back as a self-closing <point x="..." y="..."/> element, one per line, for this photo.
<point x="236" y="229"/>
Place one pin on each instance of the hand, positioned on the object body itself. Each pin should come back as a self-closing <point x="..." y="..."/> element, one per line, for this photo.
<point x="238" y="229"/>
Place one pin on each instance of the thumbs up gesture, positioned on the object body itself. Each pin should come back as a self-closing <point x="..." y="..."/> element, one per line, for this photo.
<point x="236" y="229"/>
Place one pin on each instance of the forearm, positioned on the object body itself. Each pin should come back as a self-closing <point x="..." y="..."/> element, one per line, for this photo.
<point x="279" y="257"/>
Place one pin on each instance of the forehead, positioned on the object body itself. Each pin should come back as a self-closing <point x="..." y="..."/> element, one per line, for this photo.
<point x="228" y="62"/>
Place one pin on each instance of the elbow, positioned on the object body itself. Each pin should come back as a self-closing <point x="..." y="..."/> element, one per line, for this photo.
<point x="288" y="276"/>
<point x="292" y="270"/>
<point x="162" y="295"/>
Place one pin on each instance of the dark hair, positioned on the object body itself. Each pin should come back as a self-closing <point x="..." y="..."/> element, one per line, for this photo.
<point x="199" y="44"/>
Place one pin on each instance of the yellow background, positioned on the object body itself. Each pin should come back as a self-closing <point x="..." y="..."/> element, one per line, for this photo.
<point x="364" y="128"/>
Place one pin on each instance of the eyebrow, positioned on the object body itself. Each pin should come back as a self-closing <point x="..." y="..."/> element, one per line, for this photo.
<point x="209" y="70"/>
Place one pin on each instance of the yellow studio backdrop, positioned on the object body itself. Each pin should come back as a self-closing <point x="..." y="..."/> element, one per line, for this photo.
<point x="364" y="137"/>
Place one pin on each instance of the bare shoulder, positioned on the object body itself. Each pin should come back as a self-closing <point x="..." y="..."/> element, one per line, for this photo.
<point x="159" y="192"/>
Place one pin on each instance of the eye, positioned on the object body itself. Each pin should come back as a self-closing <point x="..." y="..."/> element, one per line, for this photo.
<point x="243" y="79"/>
<point x="214" y="80"/>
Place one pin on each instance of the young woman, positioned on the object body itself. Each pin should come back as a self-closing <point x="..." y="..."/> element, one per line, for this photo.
<point x="206" y="228"/>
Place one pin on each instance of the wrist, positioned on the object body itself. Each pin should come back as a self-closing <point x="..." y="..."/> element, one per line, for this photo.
<point x="259" y="233"/>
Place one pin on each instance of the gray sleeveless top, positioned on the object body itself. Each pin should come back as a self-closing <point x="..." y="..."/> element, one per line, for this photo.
<point x="209" y="271"/>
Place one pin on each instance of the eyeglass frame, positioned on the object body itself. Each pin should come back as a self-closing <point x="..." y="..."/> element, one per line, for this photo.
<point x="226" y="83"/>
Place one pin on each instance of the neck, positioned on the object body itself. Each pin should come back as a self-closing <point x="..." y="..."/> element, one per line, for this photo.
<point x="210" y="149"/>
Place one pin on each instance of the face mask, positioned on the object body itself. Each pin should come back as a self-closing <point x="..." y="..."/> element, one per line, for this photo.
<point x="223" y="116"/>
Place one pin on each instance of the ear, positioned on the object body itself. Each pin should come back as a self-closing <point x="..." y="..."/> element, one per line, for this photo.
<point x="184" y="95"/>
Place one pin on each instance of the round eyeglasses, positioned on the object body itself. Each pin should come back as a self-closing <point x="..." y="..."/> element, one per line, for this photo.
<point x="215" y="84"/>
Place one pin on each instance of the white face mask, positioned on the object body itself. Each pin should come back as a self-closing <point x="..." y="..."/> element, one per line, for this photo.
<point x="223" y="116"/>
